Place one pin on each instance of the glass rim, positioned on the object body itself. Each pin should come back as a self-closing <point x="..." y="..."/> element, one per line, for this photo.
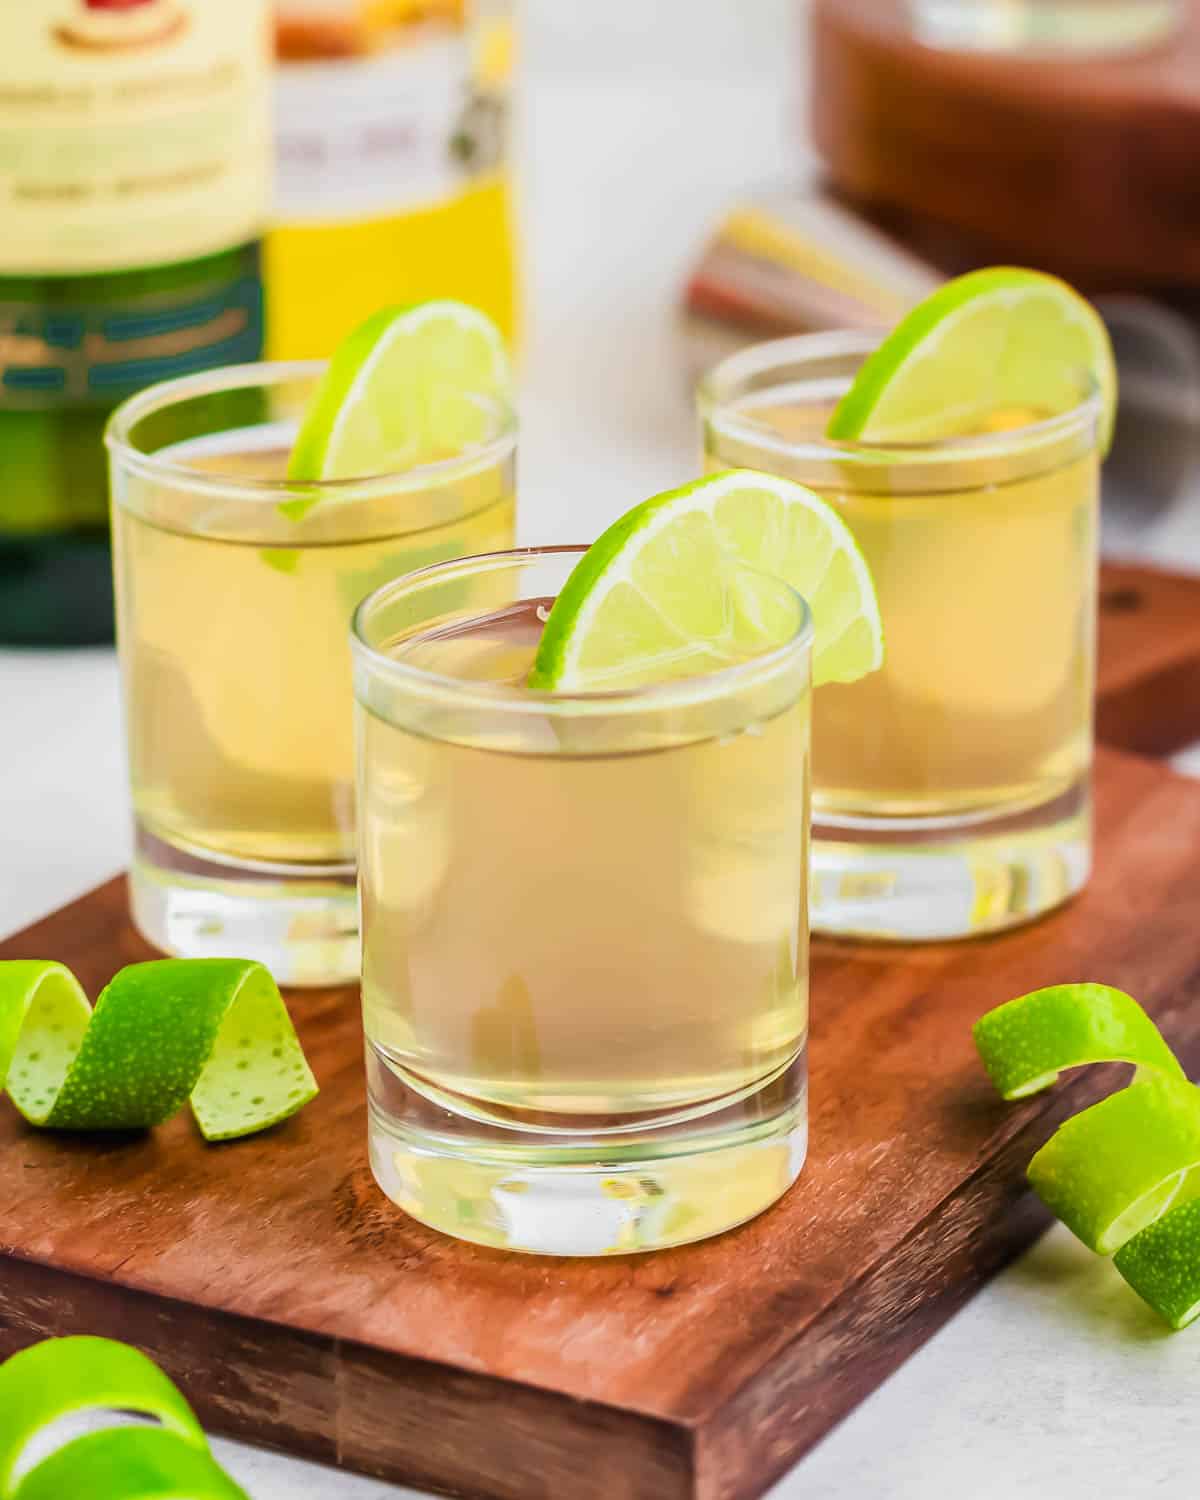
<point x="677" y="692"/>
<point x="720" y="387"/>
<point x="257" y="375"/>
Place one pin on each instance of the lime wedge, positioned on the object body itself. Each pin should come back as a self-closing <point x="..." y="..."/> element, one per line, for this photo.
<point x="214" y="1030"/>
<point x="409" y="386"/>
<point x="665" y="591"/>
<point x="991" y="342"/>
<point x="59" y="1377"/>
<point x="1162" y="1264"/>
<point x="1115" y="1168"/>
<point x="1026" y="1043"/>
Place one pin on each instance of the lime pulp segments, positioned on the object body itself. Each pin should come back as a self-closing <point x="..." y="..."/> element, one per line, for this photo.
<point x="1113" y="1169"/>
<point x="669" y="589"/>
<point x="410" y="386"/>
<point x="993" y="341"/>
<point x="1026" y="1043"/>
<point x="59" y="1377"/>
<point x="1162" y="1263"/>
<point x="212" y="1030"/>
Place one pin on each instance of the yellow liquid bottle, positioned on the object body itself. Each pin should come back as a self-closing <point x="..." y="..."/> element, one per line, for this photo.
<point x="392" y="173"/>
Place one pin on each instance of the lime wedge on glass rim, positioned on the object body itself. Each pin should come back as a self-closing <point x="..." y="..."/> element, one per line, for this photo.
<point x="993" y="342"/>
<point x="410" y="386"/>
<point x="651" y="598"/>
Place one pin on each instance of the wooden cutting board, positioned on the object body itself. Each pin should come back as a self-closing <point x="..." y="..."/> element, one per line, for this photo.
<point x="298" y="1308"/>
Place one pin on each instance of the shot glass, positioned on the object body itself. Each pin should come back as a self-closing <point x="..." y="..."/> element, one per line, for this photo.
<point x="234" y="592"/>
<point x="951" y="787"/>
<point x="585" y="943"/>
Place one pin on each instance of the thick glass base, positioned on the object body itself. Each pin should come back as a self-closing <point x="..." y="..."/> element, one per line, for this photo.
<point x="602" y="1190"/>
<point x="1060" y="26"/>
<point x="302" y="924"/>
<point x="922" y="881"/>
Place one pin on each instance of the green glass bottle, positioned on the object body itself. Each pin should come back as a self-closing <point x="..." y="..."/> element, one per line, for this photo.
<point x="134" y="165"/>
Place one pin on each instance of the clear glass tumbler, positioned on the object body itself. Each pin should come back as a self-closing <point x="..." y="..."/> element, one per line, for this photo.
<point x="585" y="943"/>
<point x="1059" y="27"/>
<point x="951" y="787"/>
<point x="234" y="589"/>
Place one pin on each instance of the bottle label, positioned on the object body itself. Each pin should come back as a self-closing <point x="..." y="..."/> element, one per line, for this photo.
<point x="132" y="132"/>
<point x="73" y="354"/>
<point x="398" y="127"/>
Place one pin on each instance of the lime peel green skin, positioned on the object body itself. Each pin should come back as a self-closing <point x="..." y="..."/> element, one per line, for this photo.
<point x="59" y="1377"/>
<point x="1026" y="1043"/>
<point x="129" y="1463"/>
<point x="1114" y="1168"/>
<point x="214" y="1031"/>
<point x="851" y="417"/>
<point x="1122" y="1174"/>
<point x="1162" y="1263"/>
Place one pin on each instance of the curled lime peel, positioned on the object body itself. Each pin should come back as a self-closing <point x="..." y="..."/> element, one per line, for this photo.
<point x="1027" y="1043"/>
<point x="212" y="1031"/>
<point x="1113" y="1169"/>
<point x="59" y="1378"/>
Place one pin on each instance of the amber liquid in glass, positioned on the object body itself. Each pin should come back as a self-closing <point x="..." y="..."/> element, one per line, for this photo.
<point x="587" y="937"/>
<point x="237" y="664"/>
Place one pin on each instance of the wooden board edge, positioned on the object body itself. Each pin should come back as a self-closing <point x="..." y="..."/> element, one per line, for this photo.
<point x="836" y="1361"/>
<point x="872" y="1329"/>
<point x="403" y="1420"/>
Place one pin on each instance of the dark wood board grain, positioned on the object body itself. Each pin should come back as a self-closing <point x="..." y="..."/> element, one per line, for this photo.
<point x="297" y="1307"/>
<point x="1148" y="687"/>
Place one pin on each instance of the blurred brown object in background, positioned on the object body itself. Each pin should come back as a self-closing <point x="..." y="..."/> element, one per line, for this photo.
<point x="796" y="262"/>
<point x="1082" y="165"/>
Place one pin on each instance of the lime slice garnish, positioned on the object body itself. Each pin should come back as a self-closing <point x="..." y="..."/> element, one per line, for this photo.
<point x="214" y="1030"/>
<point x="1162" y="1263"/>
<point x="58" y="1377"/>
<point x="1115" y="1168"/>
<point x="665" y="592"/>
<point x="410" y="386"/>
<point x="1026" y="1043"/>
<point x="991" y="342"/>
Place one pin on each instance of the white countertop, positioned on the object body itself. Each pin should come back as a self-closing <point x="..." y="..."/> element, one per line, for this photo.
<point x="641" y="122"/>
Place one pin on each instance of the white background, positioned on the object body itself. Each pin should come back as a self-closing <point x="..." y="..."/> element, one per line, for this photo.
<point x="641" y="121"/>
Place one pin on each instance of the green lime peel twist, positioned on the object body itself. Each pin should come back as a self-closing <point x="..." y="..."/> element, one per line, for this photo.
<point x="63" y="1377"/>
<point x="1120" y="1175"/>
<point x="210" y="1031"/>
